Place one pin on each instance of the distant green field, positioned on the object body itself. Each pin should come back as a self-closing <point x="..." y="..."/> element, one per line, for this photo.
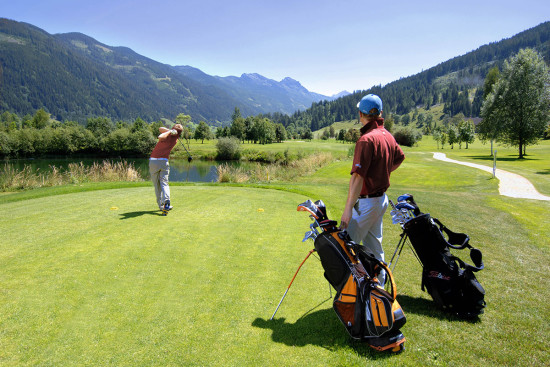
<point x="305" y="147"/>
<point x="92" y="275"/>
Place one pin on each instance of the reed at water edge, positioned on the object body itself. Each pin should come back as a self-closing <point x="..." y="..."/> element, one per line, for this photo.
<point x="12" y="179"/>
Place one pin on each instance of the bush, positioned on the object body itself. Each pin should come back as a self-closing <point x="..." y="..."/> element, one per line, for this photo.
<point x="407" y="136"/>
<point x="6" y="144"/>
<point x="228" y="149"/>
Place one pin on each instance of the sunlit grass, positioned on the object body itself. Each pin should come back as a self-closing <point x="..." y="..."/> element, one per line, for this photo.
<point x="101" y="278"/>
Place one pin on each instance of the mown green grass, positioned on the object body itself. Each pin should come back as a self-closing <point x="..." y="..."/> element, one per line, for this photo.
<point x="93" y="275"/>
<point x="535" y="166"/>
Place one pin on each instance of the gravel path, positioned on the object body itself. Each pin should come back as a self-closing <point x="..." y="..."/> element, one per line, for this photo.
<point x="510" y="184"/>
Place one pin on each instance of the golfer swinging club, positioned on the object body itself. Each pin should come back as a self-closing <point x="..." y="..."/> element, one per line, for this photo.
<point x="159" y="168"/>
<point x="377" y="154"/>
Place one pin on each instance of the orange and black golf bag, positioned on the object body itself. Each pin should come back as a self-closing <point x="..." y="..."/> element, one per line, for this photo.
<point x="367" y="310"/>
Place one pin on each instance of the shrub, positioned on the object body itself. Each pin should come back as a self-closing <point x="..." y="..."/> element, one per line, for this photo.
<point x="6" y="144"/>
<point x="407" y="136"/>
<point x="228" y="149"/>
<point x="274" y="172"/>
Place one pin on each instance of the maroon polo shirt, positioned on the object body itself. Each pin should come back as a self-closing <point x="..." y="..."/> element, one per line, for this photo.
<point x="377" y="155"/>
<point x="164" y="147"/>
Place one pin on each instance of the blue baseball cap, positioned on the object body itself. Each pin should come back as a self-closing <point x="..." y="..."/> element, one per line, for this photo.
<point x="369" y="102"/>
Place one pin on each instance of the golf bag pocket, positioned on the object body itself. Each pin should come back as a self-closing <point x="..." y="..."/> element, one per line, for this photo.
<point x="347" y="304"/>
<point x="461" y="294"/>
<point x="473" y="299"/>
<point x="378" y="313"/>
<point x="382" y="311"/>
<point x="439" y="286"/>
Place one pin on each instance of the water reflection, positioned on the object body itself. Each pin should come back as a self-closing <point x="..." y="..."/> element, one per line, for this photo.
<point x="180" y="169"/>
<point x="183" y="171"/>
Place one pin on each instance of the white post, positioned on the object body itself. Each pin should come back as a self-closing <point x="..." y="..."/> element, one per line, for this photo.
<point x="494" y="164"/>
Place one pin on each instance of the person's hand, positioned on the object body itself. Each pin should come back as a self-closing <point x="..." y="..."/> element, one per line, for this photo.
<point x="346" y="217"/>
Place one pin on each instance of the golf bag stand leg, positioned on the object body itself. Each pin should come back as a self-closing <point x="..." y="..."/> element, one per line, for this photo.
<point x="294" y="277"/>
<point x="399" y="247"/>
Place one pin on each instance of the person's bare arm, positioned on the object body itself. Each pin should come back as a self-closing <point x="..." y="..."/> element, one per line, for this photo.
<point x="165" y="132"/>
<point x="355" y="185"/>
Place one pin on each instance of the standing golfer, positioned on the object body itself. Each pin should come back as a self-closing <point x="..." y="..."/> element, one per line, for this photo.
<point x="376" y="155"/>
<point x="159" y="168"/>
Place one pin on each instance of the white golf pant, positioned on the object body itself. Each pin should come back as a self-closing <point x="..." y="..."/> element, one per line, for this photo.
<point x="160" y="170"/>
<point x="365" y="226"/>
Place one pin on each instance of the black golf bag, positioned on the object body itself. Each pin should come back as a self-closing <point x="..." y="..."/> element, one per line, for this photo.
<point x="366" y="309"/>
<point x="449" y="280"/>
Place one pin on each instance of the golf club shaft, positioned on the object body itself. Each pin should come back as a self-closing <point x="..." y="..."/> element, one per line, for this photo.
<point x="182" y="143"/>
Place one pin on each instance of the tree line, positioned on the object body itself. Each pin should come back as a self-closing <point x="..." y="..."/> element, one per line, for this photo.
<point x="514" y="105"/>
<point x="39" y="135"/>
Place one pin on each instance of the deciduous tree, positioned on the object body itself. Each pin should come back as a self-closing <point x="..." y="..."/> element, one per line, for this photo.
<point x="202" y="132"/>
<point x="520" y="101"/>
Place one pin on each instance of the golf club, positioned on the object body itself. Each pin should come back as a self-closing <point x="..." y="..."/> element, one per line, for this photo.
<point x="397" y="216"/>
<point x="405" y="197"/>
<point x="409" y="199"/>
<point x="189" y="158"/>
<point x="407" y="208"/>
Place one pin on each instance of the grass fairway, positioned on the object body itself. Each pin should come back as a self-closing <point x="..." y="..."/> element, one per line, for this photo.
<point x="98" y="277"/>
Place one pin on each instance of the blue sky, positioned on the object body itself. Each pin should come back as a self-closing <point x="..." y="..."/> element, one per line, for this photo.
<point x="328" y="46"/>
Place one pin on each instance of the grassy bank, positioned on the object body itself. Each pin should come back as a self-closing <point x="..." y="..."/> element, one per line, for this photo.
<point x="297" y="149"/>
<point x="275" y="172"/>
<point x="107" y="171"/>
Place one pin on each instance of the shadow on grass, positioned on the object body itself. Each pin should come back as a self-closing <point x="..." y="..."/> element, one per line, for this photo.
<point x="139" y="214"/>
<point x="321" y="328"/>
<point x="501" y="159"/>
<point x="545" y="172"/>
<point x="425" y="307"/>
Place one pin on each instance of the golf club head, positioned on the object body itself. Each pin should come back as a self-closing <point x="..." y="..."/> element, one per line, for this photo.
<point x="310" y="235"/>
<point x="308" y="206"/>
<point x="189" y="159"/>
<point x="398" y="217"/>
<point x="406" y="206"/>
<point x="405" y="197"/>
<point x="322" y="209"/>
<point x="409" y="199"/>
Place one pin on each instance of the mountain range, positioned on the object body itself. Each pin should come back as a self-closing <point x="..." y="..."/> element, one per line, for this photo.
<point x="455" y="84"/>
<point x="74" y="76"/>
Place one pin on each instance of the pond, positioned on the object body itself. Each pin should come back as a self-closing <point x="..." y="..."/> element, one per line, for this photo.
<point x="180" y="169"/>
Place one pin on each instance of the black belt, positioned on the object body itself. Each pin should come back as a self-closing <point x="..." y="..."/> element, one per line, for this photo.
<point x="375" y="195"/>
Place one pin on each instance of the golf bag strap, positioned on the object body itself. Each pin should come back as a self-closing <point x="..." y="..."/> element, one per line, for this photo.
<point x="389" y="277"/>
<point x="457" y="241"/>
<point x="464" y="265"/>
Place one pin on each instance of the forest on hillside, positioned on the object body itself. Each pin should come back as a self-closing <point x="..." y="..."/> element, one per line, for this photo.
<point x="456" y="83"/>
